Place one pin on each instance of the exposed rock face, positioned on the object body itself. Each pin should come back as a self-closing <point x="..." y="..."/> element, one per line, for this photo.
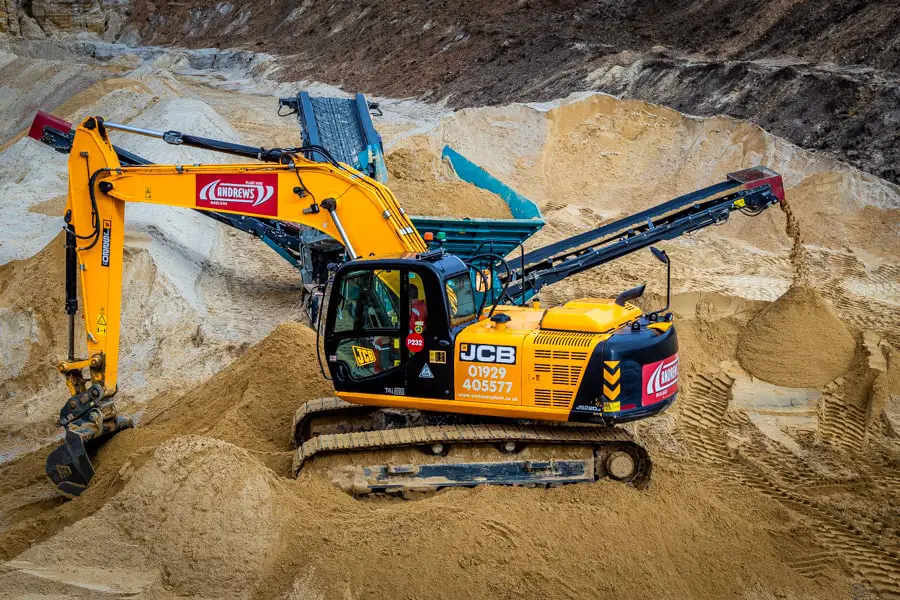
<point x="38" y="18"/>
<point x="9" y="23"/>
<point x="29" y="29"/>
<point x="821" y="73"/>
<point x="850" y="112"/>
<point x="68" y="15"/>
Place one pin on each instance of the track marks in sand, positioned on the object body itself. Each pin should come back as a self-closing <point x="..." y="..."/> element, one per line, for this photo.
<point x="814" y="564"/>
<point x="841" y="424"/>
<point x="703" y="408"/>
<point x="867" y="298"/>
<point x="703" y="423"/>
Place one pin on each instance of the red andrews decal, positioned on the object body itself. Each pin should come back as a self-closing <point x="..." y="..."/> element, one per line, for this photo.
<point x="659" y="380"/>
<point x="251" y="194"/>
<point x="415" y="342"/>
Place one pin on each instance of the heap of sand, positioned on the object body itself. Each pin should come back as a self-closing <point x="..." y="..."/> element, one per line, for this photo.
<point x="797" y="341"/>
<point x="191" y="504"/>
<point x="200" y="516"/>
<point x="426" y="185"/>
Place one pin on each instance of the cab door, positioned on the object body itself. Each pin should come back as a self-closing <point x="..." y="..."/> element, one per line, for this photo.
<point x="448" y="303"/>
<point x="365" y="330"/>
<point x="388" y="330"/>
<point x="428" y="343"/>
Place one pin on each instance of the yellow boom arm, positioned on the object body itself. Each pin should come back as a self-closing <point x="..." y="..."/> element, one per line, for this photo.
<point x="356" y="211"/>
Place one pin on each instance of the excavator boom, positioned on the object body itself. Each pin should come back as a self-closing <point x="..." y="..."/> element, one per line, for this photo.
<point x="356" y="211"/>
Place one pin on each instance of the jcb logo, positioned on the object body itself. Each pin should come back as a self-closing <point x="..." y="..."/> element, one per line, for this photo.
<point x="488" y="353"/>
<point x="363" y="356"/>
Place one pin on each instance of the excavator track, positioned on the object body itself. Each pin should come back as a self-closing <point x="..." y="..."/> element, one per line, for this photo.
<point x="590" y="452"/>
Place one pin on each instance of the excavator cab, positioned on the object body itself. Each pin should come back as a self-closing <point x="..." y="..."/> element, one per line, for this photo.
<point x="390" y="323"/>
<point x="415" y="331"/>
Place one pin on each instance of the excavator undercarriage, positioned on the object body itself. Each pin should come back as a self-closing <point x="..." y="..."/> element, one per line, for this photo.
<point x="453" y="450"/>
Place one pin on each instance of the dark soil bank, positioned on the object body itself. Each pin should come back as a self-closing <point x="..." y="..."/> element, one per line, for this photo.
<point x="822" y="73"/>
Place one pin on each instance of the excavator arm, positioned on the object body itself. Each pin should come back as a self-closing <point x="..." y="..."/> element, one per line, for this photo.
<point x="356" y="211"/>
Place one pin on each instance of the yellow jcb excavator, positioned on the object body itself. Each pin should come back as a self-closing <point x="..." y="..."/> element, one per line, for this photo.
<point x="424" y="350"/>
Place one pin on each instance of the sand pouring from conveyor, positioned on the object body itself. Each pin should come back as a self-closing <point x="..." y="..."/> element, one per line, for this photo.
<point x="424" y="349"/>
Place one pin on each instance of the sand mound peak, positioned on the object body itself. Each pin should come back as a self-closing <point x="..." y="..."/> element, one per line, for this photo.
<point x="426" y="185"/>
<point x="201" y="516"/>
<point x="252" y="401"/>
<point x="797" y="341"/>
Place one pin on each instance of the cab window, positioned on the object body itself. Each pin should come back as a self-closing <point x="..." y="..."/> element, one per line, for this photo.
<point x="368" y="316"/>
<point x="418" y="306"/>
<point x="461" y="299"/>
<point x="367" y="302"/>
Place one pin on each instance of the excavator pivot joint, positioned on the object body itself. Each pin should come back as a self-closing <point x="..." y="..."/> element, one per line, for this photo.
<point x="67" y="366"/>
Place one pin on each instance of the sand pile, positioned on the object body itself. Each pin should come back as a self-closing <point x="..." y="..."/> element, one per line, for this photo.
<point x="797" y="341"/>
<point x="201" y="517"/>
<point x="249" y="403"/>
<point x="591" y="157"/>
<point x="252" y="401"/>
<point x="33" y="329"/>
<point x="30" y="83"/>
<point x="32" y="303"/>
<point x="427" y="186"/>
<point x="33" y="182"/>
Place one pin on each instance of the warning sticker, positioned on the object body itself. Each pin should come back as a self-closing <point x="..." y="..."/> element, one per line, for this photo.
<point x="426" y="373"/>
<point x="101" y="324"/>
<point x="438" y="357"/>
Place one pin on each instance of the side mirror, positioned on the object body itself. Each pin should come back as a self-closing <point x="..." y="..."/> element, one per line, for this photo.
<point x="662" y="257"/>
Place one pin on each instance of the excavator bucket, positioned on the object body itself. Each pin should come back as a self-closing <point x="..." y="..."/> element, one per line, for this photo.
<point x="69" y="466"/>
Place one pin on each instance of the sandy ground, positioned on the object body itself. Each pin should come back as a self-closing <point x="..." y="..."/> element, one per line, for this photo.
<point x="775" y="474"/>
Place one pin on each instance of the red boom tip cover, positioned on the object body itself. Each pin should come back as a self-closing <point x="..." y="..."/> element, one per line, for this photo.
<point x="758" y="176"/>
<point x="41" y="120"/>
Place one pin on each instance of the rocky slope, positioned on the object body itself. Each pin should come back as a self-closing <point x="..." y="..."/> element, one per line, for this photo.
<point x="822" y="74"/>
